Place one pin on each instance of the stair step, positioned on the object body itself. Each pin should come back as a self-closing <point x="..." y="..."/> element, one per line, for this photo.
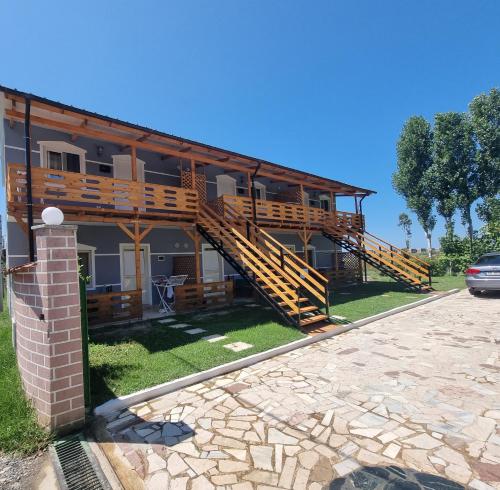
<point x="312" y="319"/>
<point x="275" y="285"/>
<point x="307" y="309"/>
<point x="282" y="303"/>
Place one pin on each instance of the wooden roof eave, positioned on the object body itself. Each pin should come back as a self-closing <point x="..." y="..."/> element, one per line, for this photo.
<point x="137" y="137"/>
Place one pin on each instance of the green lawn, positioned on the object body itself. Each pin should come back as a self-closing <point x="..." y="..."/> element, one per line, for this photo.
<point x="124" y="362"/>
<point x="381" y="294"/>
<point x="129" y="359"/>
<point x="19" y="431"/>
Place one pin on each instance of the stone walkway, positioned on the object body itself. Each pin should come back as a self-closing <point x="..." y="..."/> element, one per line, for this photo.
<point x="404" y="402"/>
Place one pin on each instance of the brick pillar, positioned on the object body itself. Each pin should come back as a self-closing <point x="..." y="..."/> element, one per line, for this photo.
<point x="48" y="331"/>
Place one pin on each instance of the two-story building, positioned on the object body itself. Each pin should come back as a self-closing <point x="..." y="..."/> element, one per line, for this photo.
<point x="151" y="204"/>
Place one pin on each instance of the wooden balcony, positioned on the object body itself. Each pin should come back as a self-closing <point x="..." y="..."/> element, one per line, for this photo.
<point x="82" y="196"/>
<point x="275" y="214"/>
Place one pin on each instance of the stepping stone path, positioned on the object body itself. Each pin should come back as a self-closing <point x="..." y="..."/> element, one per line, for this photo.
<point x="167" y="320"/>
<point x="238" y="346"/>
<point x="214" y="338"/>
<point x="194" y="331"/>
<point x="235" y="346"/>
<point x="179" y="325"/>
<point x="388" y="405"/>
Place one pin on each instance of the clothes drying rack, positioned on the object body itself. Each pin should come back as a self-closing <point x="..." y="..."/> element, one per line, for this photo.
<point x="165" y="287"/>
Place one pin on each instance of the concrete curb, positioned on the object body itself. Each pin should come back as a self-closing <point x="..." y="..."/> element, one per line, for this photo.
<point x="162" y="389"/>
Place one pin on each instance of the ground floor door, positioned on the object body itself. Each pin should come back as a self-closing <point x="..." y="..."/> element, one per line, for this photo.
<point x="127" y="270"/>
<point x="212" y="264"/>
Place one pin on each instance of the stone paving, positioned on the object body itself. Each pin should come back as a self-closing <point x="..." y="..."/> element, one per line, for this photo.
<point x="411" y="401"/>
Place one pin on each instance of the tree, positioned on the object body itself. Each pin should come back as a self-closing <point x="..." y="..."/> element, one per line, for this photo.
<point x="405" y="223"/>
<point x="453" y="175"/>
<point x="485" y="119"/>
<point x="489" y="212"/>
<point x="414" y="149"/>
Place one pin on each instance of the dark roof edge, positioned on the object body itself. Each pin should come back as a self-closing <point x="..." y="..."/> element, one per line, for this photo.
<point x="84" y="112"/>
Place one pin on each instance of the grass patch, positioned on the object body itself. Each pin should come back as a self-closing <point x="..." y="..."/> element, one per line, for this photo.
<point x="381" y="294"/>
<point x="19" y="430"/>
<point x="125" y="361"/>
<point x="128" y="359"/>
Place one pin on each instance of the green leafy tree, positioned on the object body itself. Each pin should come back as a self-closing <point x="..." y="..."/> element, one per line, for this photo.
<point x="489" y="212"/>
<point x="414" y="150"/>
<point x="405" y="223"/>
<point x="453" y="176"/>
<point x="485" y="119"/>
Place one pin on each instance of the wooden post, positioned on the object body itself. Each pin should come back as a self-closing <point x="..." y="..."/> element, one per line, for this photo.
<point x="137" y="248"/>
<point x="194" y="235"/>
<point x="193" y="174"/>
<point x="249" y="184"/>
<point x="302" y="194"/>
<point x="133" y="162"/>
<point x="197" y="262"/>
<point x="305" y="240"/>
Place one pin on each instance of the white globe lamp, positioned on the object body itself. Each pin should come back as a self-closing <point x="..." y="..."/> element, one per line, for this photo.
<point x="52" y="216"/>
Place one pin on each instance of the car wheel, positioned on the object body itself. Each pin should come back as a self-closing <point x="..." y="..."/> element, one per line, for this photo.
<point x="472" y="291"/>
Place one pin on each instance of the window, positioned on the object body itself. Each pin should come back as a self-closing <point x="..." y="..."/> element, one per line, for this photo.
<point x="59" y="155"/>
<point x="489" y="260"/>
<point x="86" y="262"/>
<point x="324" y="203"/>
<point x="290" y="248"/>
<point x="260" y="191"/>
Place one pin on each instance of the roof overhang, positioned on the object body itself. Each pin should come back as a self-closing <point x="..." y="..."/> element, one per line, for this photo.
<point x="79" y="122"/>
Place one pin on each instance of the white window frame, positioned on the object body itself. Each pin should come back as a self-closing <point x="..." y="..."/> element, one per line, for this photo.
<point x="61" y="147"/>
<point x="91" y="251"/>
<point x="262" y="189"/>
<point x="290" y="247"/>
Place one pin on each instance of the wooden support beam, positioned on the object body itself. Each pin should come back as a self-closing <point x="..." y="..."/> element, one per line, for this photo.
<point x="126" y="231"/>
<point x="196" y="238"/>
<point x="249" y="184"/>
<point x="145" y="232"/>
<point x="137" y="250"/>
<point x="21" y="223"/>
<point x="193" y="174"/>
<point x="185" y="149"/>
<point x="133" y="162"/>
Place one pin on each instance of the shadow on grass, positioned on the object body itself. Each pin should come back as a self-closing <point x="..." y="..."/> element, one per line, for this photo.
<point x="156" y="337"/>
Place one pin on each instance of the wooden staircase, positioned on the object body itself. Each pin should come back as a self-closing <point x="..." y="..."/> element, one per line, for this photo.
<point x="387" y="258"/>
<point x="288" y="284"/>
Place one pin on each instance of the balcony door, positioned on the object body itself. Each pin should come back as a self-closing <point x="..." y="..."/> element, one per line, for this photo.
<point x="226" y="185"/>
<point x="122" y="169"/>
<point x="213" y="266"/>
<point x="127" y="270"/>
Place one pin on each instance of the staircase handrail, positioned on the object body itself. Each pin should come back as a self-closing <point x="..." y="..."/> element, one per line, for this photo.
<point x="391" y="254"/>
<point x="282" y="254"/>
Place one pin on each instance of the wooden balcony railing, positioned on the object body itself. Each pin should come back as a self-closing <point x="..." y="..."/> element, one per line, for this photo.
<point x="113" y="307"/>
<point x="95" y="194"/>
<point x="284" y="215"/>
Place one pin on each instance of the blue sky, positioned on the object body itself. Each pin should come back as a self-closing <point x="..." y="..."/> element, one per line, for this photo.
<point x="323" y="86"/>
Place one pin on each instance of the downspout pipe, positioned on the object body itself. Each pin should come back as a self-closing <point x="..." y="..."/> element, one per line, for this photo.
<point x="361" y="212"/>
<point x="29" y="193"/>
<point x="254" y="206"/>
<point x="363" y="230"/>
